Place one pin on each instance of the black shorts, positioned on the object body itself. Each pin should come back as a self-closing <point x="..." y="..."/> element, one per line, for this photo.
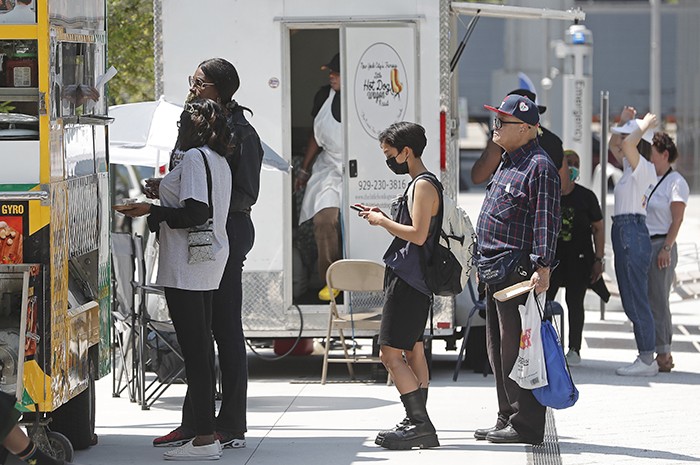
<point x="404" y="315"/>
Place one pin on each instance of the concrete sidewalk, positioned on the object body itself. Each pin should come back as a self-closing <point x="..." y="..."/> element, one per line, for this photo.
<point x="294" y="420"/>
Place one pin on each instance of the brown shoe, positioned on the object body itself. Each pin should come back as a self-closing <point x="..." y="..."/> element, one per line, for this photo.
<point x="665" y="362"/>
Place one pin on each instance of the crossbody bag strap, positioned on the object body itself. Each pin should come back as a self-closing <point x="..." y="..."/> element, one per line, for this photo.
<point x="206" y="167"/>
<point x="670" y="168"/>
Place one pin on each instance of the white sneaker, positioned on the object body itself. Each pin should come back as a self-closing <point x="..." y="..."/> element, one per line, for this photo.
<point x="191" y="452"/>
<point x="639" y="368"/>
<point x="572" y="357"/>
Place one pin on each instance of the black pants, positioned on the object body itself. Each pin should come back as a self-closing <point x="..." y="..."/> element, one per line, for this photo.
<point x="574" y="274"/>
<point x="191" y="314"/>
<point x="515" y="405"/>
<point x="228" y="330"/>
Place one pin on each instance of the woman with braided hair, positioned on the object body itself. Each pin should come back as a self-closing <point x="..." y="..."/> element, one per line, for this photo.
<point x="197" y="187"/>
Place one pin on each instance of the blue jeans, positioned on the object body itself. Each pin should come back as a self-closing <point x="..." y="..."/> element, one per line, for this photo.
<point x="632" y="248"/>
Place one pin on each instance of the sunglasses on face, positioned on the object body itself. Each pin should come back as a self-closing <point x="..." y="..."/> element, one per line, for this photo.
<point x="198" y="83"/>
<point x="498" y="123"/>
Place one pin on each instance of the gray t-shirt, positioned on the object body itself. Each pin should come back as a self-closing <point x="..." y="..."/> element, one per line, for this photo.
<point x="188" y="180"/>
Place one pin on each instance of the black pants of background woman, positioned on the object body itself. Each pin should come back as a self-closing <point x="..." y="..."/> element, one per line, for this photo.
<point x="191" y="312"/>
<point x="574" y="275"/>
<point x="228" y="332"/>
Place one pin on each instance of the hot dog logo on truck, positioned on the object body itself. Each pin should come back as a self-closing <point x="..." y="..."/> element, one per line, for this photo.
<point x="381" y="86"/>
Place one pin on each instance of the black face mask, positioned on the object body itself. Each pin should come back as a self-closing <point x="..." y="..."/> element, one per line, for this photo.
<point x="396" y="167"/>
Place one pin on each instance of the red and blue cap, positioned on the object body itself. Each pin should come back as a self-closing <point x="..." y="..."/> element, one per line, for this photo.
<point x="520" y="107"/>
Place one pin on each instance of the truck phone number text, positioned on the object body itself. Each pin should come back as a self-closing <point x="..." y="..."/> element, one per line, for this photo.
<point x="381" y="184"/>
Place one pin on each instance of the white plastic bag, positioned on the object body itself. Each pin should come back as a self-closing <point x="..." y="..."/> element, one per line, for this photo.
<point x="529" y="370"/>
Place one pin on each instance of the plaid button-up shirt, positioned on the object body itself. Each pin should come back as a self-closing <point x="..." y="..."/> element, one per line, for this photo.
<point x="521" y="211"/>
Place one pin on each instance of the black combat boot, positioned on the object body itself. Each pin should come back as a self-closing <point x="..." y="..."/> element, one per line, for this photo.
<point x="419" y="433"/>
<point x="403" y="424"/>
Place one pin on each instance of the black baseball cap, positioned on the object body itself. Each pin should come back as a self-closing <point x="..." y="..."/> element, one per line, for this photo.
<point x="333" y="65"/>
<point x="521" y="107"/>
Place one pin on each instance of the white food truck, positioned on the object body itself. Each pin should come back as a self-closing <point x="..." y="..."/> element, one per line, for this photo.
<point x="395" y="60"/>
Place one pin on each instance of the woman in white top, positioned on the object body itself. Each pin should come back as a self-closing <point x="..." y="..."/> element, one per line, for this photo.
<point x="185" y="201"/>
<point x="321" y="174"/>
<point x="630" y="236"/>
<point x="664" y="217"/>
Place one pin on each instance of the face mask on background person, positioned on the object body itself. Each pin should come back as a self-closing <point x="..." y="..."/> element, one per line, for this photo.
<point x="573" y="173"/>
<point x="396" y="167"/>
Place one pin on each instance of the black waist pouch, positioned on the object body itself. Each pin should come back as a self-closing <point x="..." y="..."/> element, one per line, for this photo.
<point x="495" y="270"/>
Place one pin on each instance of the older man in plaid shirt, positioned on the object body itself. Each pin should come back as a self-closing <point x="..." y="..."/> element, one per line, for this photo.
<point x="516" y="238"/>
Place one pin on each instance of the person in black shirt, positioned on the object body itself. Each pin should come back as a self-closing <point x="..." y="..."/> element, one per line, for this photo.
<point x="579" y="265"/>
<point x="218" y="80"/>
<point x="490" y="158"/>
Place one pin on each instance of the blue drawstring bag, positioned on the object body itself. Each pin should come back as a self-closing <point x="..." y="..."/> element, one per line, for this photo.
<point x="560" y="391"/>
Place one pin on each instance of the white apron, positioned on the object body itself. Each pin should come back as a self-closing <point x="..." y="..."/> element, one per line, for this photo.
<point x="325" y="184"/>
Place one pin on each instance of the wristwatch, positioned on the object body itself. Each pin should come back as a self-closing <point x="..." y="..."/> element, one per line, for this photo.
<point x="667" y="247"/>
<point x="599" y="259"/>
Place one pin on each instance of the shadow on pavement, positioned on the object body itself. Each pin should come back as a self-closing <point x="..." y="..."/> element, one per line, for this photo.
<point x="575" y="448"/>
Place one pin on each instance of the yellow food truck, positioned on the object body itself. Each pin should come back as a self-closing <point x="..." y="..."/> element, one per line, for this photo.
<point x="54" y="216"/>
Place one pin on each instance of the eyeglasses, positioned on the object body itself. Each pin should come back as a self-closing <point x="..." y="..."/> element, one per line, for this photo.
<point x="498" y="123"/>
<point x="198" y="83"/>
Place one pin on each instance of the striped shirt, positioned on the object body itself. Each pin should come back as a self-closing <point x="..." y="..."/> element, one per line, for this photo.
<point x="521" y="211"/>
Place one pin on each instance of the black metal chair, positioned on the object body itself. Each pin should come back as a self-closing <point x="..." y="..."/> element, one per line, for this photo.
<point x="551" y="309"/>
<point x="479" y="306"/>
<point x="124" y="319"/>
<point x="161" y="334"/>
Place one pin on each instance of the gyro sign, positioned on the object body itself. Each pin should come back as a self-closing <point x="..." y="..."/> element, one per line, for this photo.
<point x="381" y="87"/>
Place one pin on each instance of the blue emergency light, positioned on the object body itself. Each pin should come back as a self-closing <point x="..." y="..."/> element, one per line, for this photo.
<point x="578" y="38"/>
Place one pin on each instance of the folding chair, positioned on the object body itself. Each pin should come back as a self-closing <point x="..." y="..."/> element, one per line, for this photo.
<point x="123" y="350"/>
<point x="352" y="276"/>
<point x="479" y="305"/>
<point x="148" y="327"/>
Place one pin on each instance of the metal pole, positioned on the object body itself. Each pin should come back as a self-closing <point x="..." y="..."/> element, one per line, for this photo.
<point x="158" y="47"/>
<point x="544" y="93"/>
<point x="604" y="125"/>
<point x="655" y="60"/>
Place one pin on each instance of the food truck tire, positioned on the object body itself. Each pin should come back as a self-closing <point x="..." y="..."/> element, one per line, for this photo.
<point x="76" y="418"/>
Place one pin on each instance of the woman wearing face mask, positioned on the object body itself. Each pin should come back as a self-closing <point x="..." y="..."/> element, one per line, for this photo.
<point x="407" y="298"/>
<point x="580" y="259"/>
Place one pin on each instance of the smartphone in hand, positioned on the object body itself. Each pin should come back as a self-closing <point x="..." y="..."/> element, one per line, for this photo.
<point x="357" y="208"/>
